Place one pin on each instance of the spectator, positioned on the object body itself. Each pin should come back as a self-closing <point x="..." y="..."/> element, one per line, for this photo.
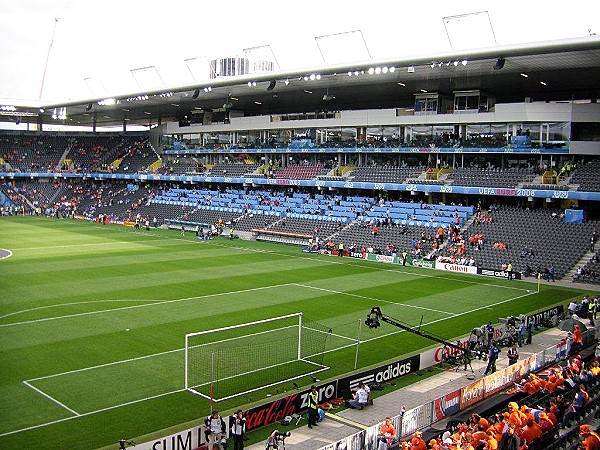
<point x="590" y="439"/>
<point x="387" y="432"/>
<point x="510" y="441"/>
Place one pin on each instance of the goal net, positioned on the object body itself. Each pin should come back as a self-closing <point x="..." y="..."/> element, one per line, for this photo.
<point x="226" y="362"/>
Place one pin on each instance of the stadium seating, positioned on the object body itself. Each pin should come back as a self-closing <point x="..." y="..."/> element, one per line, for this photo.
<point x="587" y="176"/>
<point x="385" y="174"/>
<point x="552" y="240"/>
<point x="508" y="178"/>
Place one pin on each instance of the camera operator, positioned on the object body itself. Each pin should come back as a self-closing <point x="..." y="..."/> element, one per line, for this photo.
<point x="215" y="430"/>
<point x="238" y="429"/>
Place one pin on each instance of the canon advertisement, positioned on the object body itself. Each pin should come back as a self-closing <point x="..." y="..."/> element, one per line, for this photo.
<point x="458" y="268"/>
<point x="499" y="273"/>
<point x="381" y="374"/>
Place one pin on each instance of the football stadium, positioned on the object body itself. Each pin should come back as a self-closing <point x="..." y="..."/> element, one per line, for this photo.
<point x="387" y="227"/>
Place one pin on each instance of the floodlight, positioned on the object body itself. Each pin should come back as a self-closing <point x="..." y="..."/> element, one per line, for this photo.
<point x="499" y="63"/>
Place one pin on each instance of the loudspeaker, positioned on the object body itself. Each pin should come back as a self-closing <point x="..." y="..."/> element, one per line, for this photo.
<point x="271" y="85"/>
<point x="499" y="63"/>
<point x="88" y="107"/>
<point x="196" y="94"/>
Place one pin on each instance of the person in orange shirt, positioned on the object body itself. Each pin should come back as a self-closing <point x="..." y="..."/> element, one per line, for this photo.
<point x="479" y="437"/>
<point x="528" y="414"/>
<point x="387" y="432"/>
<point x="552" y="412"/>
<point x="577" y="340"/>
<point x="591" y="440"/>
<point x="545" y="423"/>
<point x="531" y="432"/>
<point x="476" y="419"/>
<point x="515" y="417"/>
<point x="417" y="442"/>
<point x="492" y="442"/>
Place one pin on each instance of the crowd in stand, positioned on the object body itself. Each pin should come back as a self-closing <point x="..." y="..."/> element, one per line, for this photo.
<point x="554" y="399"/>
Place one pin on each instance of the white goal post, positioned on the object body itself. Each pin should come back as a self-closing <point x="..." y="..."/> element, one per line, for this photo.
<point x="226" y="362"/>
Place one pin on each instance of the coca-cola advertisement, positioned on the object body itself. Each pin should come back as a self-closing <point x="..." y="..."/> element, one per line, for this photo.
<point x="262" y="415"/>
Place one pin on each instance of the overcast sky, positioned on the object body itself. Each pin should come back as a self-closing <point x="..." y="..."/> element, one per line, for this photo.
<point x="104" y="40"/>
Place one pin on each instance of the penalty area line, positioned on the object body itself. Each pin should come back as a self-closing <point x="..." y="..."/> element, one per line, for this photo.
<point x="52" y="399"/>
<point x="90" y="413"/>
<point x="376" y="299"/>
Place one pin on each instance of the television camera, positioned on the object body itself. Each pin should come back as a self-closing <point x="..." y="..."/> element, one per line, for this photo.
<point x="277" y="440"/>
<point x="123" y="443"/>
<point x="372" y="320"/>
<point x="375" y="317"/>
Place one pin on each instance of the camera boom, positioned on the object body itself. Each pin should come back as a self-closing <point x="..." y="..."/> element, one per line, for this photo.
<point x="375" y="316"/>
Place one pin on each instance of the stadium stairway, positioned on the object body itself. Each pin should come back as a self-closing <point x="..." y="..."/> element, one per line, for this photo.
<point x="351" y="420"/>
<point x="581" y="263"/>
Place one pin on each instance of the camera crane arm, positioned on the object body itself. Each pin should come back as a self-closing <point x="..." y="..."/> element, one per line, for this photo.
<point x="375" y="316"/>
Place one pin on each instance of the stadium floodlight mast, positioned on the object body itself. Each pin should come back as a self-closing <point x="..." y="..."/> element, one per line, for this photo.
<point x="200" y="68"/>
<point x="464" y="28"/>
<point x="147" y="77"/>
<point x="227" y="362"/>
<point x="343" y="47"/>
<point x="260" y="53"/>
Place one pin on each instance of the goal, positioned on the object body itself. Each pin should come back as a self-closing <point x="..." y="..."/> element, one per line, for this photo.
<point x="227" y="362"/>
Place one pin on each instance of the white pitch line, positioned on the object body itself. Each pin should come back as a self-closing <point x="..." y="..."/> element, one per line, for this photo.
<point x="375" y="299"/>
<point x="422" y="325"/>
<point x="99" y="366"/>
<point x="8" y="253"/>
<point x="90" y="413"/>
<point x="58" y="305"/>
<point x="381" y="269"/>
<point x="181" y="390"/>
<point x="160" y="302"/>
<point x="52" y="399"/>
<point x="331" y="334"/>
<point x="91" y="244"/>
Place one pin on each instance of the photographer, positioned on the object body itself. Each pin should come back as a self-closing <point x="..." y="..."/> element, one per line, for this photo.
<point x="361" y="398"/>
<point x="215" y="430"/>
<point x="238" y="430"/>
<point x="275" y="438"/>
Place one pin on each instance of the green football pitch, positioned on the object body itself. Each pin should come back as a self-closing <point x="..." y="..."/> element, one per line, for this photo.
<point x="93" y="320"/>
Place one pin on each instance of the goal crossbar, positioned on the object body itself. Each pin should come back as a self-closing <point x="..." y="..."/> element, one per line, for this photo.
<point x="234" y="364"/>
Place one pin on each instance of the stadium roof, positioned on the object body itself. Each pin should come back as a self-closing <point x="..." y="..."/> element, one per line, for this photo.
<point x="560" y="70"/>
